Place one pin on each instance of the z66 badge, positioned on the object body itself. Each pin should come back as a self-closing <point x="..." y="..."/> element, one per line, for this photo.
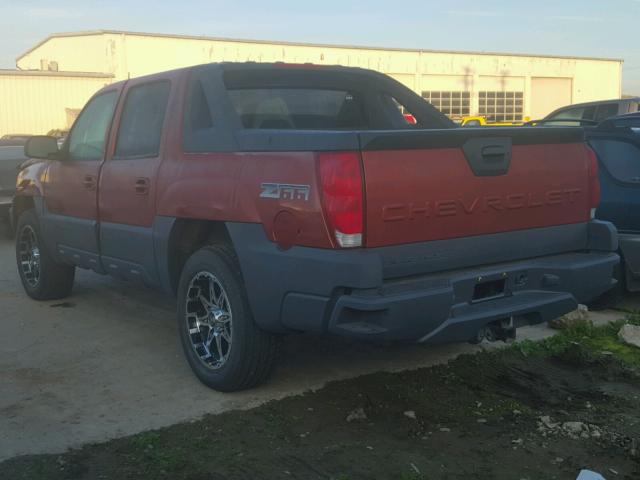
<point x="285" y="191"/>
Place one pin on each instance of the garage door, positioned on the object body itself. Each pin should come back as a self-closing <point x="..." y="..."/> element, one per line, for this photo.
<point x="547" y="94"/>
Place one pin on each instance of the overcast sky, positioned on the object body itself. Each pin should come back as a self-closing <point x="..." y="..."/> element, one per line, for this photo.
<point x="597" y="28"/>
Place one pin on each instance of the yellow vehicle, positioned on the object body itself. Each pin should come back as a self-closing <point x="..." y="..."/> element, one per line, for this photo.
<point x="480" y="121"/>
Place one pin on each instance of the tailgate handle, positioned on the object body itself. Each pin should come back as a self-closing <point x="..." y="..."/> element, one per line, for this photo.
<point x="488" y="156"/>
<point x="493" y="153"/>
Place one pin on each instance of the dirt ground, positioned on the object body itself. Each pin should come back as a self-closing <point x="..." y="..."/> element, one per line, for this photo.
<point x="533" y="411"/>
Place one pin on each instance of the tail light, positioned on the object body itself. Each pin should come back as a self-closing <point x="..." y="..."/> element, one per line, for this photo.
<point x="594" y="182"/>
<point x="342" y="196"/>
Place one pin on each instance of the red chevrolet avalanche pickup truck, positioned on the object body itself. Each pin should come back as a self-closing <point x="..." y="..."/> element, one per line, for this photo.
<point x="273" y="198"/>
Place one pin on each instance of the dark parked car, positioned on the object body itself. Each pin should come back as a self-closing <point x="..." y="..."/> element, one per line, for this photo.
<point x="616" y="141"/>
<point x="11" y="156"/>
<point x="14" y="139"/>
<point x="595" y="111"/>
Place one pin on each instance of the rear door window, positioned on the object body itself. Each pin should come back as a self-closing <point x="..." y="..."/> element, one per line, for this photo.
<point x="298" y="108"/>
<point x="142" y="120"/>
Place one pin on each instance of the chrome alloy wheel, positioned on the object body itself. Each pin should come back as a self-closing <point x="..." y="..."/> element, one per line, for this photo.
<point x="29" y="252"/>
<point x="209" y="320"/>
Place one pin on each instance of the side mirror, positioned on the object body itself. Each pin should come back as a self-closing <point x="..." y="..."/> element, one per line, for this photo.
<point x="41" y="146"/>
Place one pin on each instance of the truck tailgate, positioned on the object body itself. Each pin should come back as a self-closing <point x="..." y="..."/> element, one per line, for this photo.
<point x="443" y="184"/>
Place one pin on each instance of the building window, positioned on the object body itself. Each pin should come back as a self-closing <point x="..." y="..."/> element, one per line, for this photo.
<point x="453" y="104"/>
<point x="501" y="106"/>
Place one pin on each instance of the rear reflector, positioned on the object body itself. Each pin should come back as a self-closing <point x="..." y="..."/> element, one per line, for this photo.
<point x="594" y="181"/>
<point x="342" y="196"/>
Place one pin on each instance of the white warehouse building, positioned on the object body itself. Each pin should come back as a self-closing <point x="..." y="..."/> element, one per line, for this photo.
<point x="500" y="86"/>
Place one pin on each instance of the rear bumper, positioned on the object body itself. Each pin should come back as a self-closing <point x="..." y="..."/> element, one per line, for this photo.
<point x="404" y="294"/>
<point x="441" y="308"/>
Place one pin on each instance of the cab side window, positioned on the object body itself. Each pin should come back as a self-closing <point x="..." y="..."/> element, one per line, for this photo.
<point x="142" y="120"/>
<point x="89" y="135"/>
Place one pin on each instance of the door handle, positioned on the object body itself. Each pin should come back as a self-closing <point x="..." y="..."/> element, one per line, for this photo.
<point x="89" y="182"/>
<point x="141" y="186"/>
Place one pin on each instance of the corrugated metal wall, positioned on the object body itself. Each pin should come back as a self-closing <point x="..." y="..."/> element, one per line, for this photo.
<point x="35" y="104"/>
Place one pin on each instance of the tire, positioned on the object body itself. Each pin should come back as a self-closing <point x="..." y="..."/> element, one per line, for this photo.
<point x="42" y="277"/>
<point x="239" y="355"/>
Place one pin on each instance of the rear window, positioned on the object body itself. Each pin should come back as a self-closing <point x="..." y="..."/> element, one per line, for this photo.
<point x="298" y="108"/>
<point x="234" y="107"/>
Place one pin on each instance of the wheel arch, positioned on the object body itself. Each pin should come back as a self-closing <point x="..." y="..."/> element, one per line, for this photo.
<point x="19" y="205"/>
<point x="178" y="238"/>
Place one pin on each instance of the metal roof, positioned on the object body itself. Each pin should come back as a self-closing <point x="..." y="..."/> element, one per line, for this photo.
<point x="49" y="73"/>
<point x="304" y="44"/>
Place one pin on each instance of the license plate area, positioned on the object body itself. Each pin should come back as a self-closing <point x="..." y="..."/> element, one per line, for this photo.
<point x="489" y="290"/>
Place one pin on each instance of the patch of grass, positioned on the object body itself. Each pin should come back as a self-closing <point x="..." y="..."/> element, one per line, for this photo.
<point x="626" y="354"/>
<point x="588" y="341"/>
<point x="160" y="458"/>
<point x="146" y="440"/>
